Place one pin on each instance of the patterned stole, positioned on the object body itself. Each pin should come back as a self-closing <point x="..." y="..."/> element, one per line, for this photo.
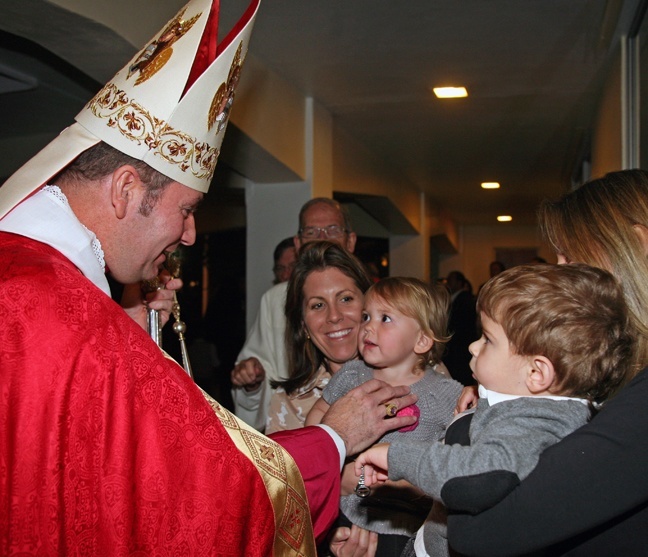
<point x="283" y="481"/>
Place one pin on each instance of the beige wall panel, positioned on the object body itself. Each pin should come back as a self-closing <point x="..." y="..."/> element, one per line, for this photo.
<point x="606" y="140"/>
<point x="272" y="113"/>
<point x="477" y="249"/>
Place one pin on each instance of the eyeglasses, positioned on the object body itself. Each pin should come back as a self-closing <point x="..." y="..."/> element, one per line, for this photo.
<point x="331" y="231"/>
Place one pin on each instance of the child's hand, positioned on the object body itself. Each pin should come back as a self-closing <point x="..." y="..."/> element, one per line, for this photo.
<point x="374" y="463"/>
<point x="354" y="542"/>
<point x="467" y="399"/>
<point x="349" y="479"/>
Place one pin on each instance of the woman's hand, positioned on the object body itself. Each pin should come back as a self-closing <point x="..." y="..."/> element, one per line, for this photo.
<point x="467" y="399"/>
<point x="248" y="374"/>
<point x="354" y="542"/>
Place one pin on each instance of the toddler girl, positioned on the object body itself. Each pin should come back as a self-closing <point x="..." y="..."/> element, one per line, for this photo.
<point x="401" y="340"/>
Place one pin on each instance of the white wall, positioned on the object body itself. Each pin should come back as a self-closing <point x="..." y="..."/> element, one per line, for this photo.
<point x="272" y="215"/>
<point x="477" y="249"/>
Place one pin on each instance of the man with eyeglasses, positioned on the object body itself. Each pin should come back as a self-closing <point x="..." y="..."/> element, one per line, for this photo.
<point x="263" y="356"/>
<point x="325" y="219"/>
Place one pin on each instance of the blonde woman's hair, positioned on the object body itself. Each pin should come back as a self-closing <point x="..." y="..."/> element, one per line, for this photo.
<point x="427" y="305"/>
<point x="597" y="224"/>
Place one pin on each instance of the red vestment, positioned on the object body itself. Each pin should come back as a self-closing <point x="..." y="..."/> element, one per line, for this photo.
<point x="108" y="447"/>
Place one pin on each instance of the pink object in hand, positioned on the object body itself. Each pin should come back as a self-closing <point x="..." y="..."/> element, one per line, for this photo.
<point x="412" y="410"/>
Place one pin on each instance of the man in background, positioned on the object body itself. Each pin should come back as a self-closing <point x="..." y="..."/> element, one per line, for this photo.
<point x="462" y="325"/>
<point x="284" y="257"/>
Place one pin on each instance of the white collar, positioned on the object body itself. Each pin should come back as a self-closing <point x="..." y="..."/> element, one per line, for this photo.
<point x="493" y="397"/>
<point x="47" y="217"/>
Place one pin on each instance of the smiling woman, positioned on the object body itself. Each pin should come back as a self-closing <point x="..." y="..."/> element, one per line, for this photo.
<point x="331" y="314"/>
<point x="323" y="313"/>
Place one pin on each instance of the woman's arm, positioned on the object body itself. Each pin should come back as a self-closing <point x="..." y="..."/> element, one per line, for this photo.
<point x="317" y="412"/>
<point x="594" y="482"/>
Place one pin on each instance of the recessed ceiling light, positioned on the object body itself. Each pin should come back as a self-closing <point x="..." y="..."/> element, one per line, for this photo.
<point x="505" y="218"/>
<point x="490" y="185"/>
<point x="450" y="92"/>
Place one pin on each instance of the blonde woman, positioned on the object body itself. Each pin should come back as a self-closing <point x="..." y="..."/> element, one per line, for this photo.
<point x="589" y="493"/>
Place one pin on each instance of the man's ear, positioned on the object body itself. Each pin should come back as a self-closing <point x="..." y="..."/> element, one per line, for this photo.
<point x="297" y="242"/>
<point x="642" y="233"/>
<point x="124" y="185"/>
<point x="351" y="241"/>
<point x="423" y="344"/>
<point x="541" y="375"/>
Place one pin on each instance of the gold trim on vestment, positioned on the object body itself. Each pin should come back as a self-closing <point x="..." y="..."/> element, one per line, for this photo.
<point x="283" y="481"/>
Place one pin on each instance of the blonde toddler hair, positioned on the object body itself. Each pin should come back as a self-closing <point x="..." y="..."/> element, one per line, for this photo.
<point x="428" y="306"/>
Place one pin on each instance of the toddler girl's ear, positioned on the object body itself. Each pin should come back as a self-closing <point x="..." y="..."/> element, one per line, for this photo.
<point x="541" y="375"/>
<point x="423" y="344"/>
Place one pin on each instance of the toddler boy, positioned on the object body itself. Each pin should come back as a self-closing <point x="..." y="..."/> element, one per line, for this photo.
<point x="554" y="345"/>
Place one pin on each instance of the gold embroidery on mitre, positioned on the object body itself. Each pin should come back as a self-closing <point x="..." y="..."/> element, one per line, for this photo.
<point x="224" y="98"/>
<point x="157" y="53"/>
<point x="217" y="108"/>
<point x="138" y="125"/>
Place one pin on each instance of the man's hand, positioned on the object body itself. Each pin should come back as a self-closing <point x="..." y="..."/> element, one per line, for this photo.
<point x="360" y="417"/>
<point x="354" y="542"/>
<point x="248" y="374"/>
<point x="136" y="303"/>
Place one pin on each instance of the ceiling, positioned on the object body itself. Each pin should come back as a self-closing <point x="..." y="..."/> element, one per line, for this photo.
<point x="533" y="69"/>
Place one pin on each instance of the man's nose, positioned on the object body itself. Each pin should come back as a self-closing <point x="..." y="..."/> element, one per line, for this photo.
<point x="189" y="232"/>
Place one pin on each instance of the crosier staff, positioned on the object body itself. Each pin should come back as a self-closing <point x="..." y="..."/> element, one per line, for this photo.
<point x="172" y="265"/>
